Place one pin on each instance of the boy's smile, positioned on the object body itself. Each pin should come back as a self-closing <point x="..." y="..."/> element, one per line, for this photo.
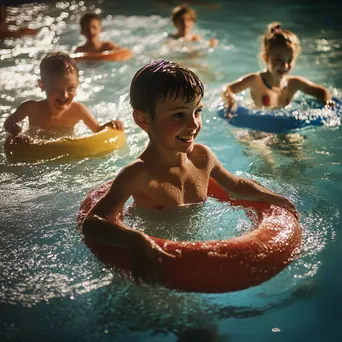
<point x="60" y="91"/>
<point x="177" y="123"/>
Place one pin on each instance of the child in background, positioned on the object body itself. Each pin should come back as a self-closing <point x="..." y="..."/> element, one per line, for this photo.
<point x="172" y="170"/>
<point x="58" y="112"/>
<point x="91" y="28"/>
<point x="273" y="87"/>
<point x="183" y="18"/>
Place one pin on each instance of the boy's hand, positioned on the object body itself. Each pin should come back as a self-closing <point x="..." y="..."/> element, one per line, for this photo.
<point x="212" y="42"/>
<point x="147" y="260"/>
<point x="116" y="124"/>
<point x="22" y="139"/>
<point x="329" y="104"/>
<point x="283" y="202"/>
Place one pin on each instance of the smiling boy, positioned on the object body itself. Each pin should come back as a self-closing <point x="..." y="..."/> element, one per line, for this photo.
<point x="58" y="112"/>
<point x="91" y="29"/>
<point x="172" y="170"/>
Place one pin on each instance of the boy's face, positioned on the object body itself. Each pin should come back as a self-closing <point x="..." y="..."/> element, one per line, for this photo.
<point x="92" y="29"/>
<point x="60" y="90"/>
<point x="184" y="23"/>
<point x="176" y="123"/>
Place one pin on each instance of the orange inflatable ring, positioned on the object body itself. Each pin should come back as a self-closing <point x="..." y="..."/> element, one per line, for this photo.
<point x="116" y="56"/>
<point x="24" y="31"/>
<point x="221" y="265"/>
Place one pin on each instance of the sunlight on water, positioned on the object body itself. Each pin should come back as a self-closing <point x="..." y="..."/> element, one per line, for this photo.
<point x="41" y="252"/>
<point x="212" y="220"/>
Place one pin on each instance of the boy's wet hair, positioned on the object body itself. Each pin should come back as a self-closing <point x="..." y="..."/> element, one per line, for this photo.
<point x="275" y="36"/>
<point x="179" y="11"/>
<point x="87" y="18"/>
<point x="159" y="79"/>
<point x="57" y="63"/>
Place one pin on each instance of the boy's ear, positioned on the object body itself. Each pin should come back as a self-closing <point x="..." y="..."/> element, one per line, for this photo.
<point x="41" y="85"/>
<point x="141" y="119"/>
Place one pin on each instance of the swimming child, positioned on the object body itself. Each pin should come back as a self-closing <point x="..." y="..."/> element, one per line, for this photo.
<point x="172" y="170"/>
<point x="58" y="112"/>
<point x="183" y="18"/>
<point x="91" y="27"/>
<point x="273" y="87"/>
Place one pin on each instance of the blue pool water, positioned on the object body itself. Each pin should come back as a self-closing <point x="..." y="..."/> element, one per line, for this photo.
<point x="53" y="289"/>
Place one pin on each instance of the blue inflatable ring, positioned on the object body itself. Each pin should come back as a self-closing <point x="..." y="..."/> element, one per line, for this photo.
<point x="274" y="121"/>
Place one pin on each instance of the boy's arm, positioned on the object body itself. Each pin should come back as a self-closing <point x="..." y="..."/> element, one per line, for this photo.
<point x="236" y="87"/>
<point x="92" y="123"/>
<point x="101" y="224"/>
<point x="313" y="89"/>
<point x="248" y="189"/>
<point x="11" y="123"/>
<point x="110" y="46"/>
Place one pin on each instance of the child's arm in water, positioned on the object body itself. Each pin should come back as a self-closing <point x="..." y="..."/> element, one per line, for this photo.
<point x="93" y="124"/>
<point x="110" y="46"/>
<point x="245" y="82"/>
<point x="245" y="188"/>
<point x="313" y="89"/>
<point x="11" y="123"/>
<point x="101" y="224"/>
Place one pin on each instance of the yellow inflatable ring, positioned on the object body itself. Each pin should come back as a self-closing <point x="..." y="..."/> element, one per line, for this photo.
<point x="105" y="141"/>
<point x="117" y="55"/>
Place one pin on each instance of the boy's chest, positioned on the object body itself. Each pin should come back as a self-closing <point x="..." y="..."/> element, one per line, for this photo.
<point x="48" y="122"/>
<point x="174" y="187"/>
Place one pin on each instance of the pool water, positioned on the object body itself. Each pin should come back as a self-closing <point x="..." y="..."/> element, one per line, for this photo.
<point x="53" y="288"/>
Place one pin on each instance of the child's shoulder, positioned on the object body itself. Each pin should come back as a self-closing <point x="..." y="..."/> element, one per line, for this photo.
<point x="30" y="106"/>
<point x="202" y="151"/>
<point x="251" y="77"/>
<point x="296" y="79"/>
<point x="133" y="172"/>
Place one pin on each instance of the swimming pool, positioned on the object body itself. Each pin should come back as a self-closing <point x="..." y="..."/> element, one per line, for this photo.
<point x="53" y="288"/>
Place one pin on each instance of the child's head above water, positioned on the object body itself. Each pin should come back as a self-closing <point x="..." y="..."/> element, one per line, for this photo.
<point x="57" y="64"/>
<point x="90" y="25"/>
<point x="161" y="79"/>
<point x="182" y="10"/>
<point x="59" y="79"/>
<point x="276" y="37"/>
<point x="183" y="18"/>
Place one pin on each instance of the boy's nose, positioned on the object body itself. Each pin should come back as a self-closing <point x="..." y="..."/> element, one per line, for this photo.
<point x="64" y="94"/>
<point x="194" y="122"/>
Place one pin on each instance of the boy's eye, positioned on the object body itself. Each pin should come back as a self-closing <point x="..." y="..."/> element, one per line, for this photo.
<point x="199" y="112"/>
<point x="71" y="89"/>
<point x="178" y="115"/>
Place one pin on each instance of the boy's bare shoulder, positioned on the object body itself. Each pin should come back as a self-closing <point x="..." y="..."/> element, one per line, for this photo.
<point x="135" y="169"/>
<point x="80" y="48"/>
<point x="109" y="46"/>
<point x="203" y="152"/>
<point x="30" y="107"/>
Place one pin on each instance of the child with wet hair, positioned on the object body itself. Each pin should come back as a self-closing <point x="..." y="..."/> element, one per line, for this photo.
<point x="173" y="170"/>
<point x="183" y="18"/>
<point x="91" y="28"/>
<point x="274" y="87"/>
<point x="58" y="112"/>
